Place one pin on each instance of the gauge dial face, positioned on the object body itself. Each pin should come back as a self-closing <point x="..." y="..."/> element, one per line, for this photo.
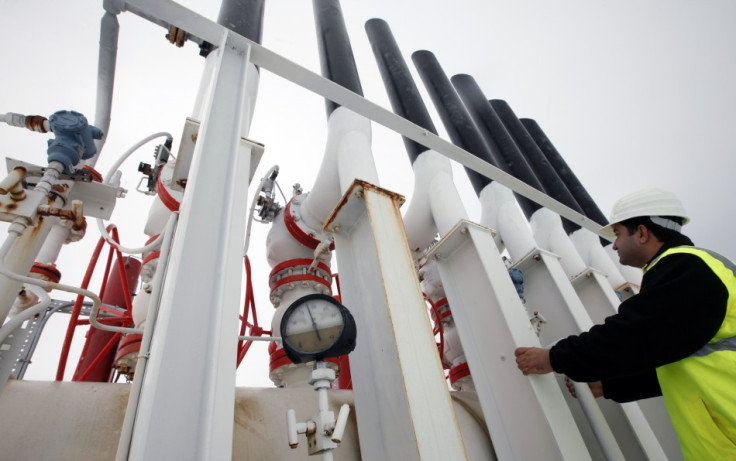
<point x="313" y="326"/>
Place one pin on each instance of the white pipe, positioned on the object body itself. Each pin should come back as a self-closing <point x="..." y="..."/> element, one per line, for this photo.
<point x="56" y="239"/>
<point x="347" y="156"/>
<point x="598" y="423"/>
<point x="589" y="246"/>
<point x="126" y="432"/>
<point x="436" y="205"/>
<point x="108" y="177"/>
<point x="500" y="212"/>
<point x="550" y="235"/>
<point x="109" y="31"/>
<point x="5" y="249"/>
<point x="28" y="245"/>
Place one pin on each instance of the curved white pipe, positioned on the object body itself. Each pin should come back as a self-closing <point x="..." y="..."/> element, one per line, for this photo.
<point x="500" y="212"/>
<point x="56" y="286"/>
<point x="347" y="156"/>
<point x="589" y="247"/>
<point x="436" y="205"/>
<point x="550" y="235"/>
<point x="107" y="179"/>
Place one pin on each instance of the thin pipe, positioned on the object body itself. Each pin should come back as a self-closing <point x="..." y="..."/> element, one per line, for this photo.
<point x="126" y="432"/>
<point x="598" y="422"/>
<point x="109" y="32"/>
<point x="46" y="284"/>
<point x="108" y="177"/>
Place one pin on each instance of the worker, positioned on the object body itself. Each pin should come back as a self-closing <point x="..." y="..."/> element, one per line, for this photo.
<point x="675" y="338"/>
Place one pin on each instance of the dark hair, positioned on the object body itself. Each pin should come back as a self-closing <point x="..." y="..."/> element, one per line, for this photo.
<point x="661" y="233"/>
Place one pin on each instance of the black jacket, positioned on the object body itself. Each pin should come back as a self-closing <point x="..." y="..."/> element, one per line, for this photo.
<point x="680" y="307"/>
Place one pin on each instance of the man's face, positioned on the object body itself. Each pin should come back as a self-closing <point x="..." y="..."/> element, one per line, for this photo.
<point x="627" y="245"/>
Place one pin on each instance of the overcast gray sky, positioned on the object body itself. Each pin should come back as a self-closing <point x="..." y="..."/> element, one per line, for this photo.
<point x="632" y="93"/>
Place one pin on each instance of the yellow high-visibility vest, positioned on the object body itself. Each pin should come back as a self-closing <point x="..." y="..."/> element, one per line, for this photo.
<point x="700" y="390"/>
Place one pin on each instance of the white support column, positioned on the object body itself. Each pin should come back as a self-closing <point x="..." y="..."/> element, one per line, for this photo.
<point x="187" y="399"/>
<point x="402" y="402"/>
<point x="527" y="417"/>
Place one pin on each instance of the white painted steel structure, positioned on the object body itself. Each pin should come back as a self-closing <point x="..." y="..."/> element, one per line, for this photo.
<point x="401" y="397"/>
<point x="197" y="325"/>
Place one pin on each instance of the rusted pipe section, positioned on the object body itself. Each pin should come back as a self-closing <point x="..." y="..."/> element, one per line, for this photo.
<point x="75" y="215"/>
<point x="37" y="123"/>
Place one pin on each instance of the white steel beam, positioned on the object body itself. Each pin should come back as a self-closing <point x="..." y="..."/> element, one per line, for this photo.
<point x="527" y="417"/>
<point x="402" y="402"/>
<point x="187" y="397"/>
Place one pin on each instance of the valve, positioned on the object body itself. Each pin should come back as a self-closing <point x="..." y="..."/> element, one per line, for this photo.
<point x="151" y="172"/>
<point x="74" y="139"/>
<point x="324" y="432"/>
<point x="268" y="207"/>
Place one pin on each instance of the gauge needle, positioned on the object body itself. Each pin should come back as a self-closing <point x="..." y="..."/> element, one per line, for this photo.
<point x="314" y="324"/>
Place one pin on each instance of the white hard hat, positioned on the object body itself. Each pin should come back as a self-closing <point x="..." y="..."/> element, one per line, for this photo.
<point x="655" y="203"/>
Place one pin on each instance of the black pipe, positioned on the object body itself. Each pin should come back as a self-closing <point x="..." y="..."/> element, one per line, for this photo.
<point x="402" y="91"/>
<point x="576" y="188"/>
<point x="335" y="53"/>
<point x="244" y="17"/>
<point x="460" y="126"/>
<point x="553" y="185"/>
<point x="457" y="121"/>
<point x="494" y="131"/>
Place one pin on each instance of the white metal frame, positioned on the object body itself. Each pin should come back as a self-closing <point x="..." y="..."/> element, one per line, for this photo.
<point x="187" y="396"/>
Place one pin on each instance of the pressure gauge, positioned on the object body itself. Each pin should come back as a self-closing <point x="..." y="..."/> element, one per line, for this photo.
<point x="316" y="327"/>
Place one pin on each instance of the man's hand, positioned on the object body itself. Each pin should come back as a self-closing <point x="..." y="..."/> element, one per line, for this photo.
<point x="596" y="387"/>
<point x="533" y="360"/>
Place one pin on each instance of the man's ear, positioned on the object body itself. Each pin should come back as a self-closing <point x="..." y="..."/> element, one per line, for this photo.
<point x="644" y="235"/>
